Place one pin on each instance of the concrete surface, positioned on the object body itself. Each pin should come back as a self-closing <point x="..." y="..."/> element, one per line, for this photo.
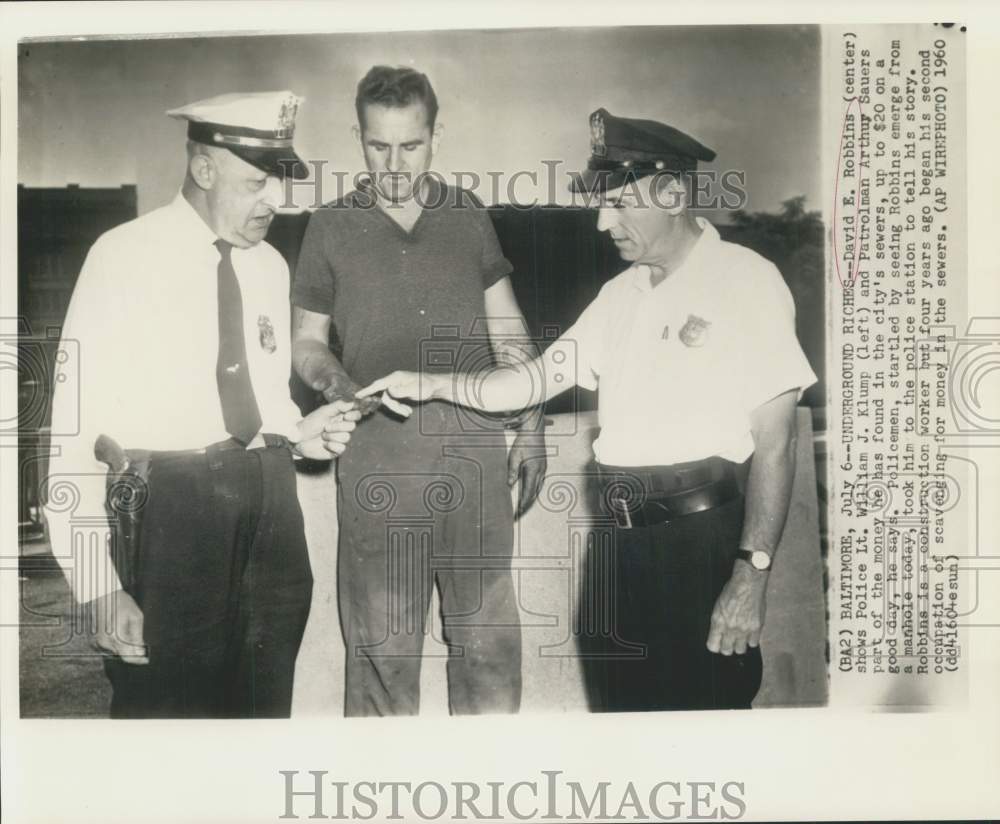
<point x="551" y="544"/>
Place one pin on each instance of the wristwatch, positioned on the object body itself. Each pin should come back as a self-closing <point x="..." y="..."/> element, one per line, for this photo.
<point x="757" y="558"/>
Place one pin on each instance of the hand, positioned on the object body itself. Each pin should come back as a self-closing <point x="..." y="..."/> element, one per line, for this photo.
<point x="343" y="415"/>
<point x="403" y="385"/>
<point x="119" y="627"/>
<point x="324" y="447"/>
<point x="326" y="431"/>
<point x="344" y="390"/>
<point x="738" y="616"/>
<point x="527" y="462"/>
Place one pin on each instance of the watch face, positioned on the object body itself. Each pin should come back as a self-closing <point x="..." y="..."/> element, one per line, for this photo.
<point x="760" y="559"/>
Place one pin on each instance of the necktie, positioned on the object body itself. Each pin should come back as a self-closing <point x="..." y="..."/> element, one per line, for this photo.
<point x="239" y="406"/>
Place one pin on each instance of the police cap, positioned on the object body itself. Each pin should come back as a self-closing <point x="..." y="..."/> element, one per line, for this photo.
<point x="257" y="127"/>
<point x="623" y="148"/>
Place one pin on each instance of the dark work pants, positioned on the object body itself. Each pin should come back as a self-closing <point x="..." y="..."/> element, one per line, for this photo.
<point x="224" y="584"/>
<point x="414" y="514"/>
<point x="664" y="583"/>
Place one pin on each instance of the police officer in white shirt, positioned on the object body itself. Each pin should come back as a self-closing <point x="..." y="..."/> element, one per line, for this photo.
<point x="694" y="352"/>
<point x="182" y="322"/>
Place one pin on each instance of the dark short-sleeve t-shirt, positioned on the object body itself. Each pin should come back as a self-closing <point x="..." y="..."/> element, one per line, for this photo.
<point x="397" y="299"/>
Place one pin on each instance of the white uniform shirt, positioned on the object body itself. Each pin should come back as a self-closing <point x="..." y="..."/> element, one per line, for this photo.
<point x="680" y="366"/>
<point x="144" y="320"/>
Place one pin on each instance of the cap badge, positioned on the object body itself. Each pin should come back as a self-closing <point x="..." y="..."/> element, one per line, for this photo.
<point x="597" y="146"/>
<point x="286" y="116"/>
<point x="695" y="331"/>
<point x="266" y="330"/>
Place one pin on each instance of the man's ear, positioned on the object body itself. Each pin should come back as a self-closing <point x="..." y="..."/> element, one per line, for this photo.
<point x="436" y="136"/>
<point x="202" y="169"/>
<point x="356" y="132"/>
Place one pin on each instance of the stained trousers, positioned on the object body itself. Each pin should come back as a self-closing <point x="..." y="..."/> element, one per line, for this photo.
<point x="223" y="580"/>
<point x="663" y="584"/>
<point x="409" y="522"/>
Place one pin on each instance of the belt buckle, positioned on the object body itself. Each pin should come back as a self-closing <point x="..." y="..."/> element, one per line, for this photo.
<point x="621" y="513"/>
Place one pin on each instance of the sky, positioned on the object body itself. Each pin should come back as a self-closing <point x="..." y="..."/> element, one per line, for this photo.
<point x="91" y="112"/>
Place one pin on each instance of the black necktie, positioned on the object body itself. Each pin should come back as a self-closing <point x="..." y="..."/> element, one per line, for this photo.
<point x="239" y="406"/>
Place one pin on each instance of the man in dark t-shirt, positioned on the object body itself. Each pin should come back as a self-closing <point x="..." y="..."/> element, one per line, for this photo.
<point x="410" y="274"/>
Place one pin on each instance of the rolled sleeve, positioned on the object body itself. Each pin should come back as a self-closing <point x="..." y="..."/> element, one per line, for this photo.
<point x="313" y="285"/>
<point x="493" y="267"/>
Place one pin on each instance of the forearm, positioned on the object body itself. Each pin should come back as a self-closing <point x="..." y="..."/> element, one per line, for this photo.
<point x="321" y="369"/>
<point x="768" y="494"/>
<point x="497" y="390"/>
<point x="511" y="353"/>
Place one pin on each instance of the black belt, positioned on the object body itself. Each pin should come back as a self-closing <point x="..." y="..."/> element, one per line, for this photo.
<point x="270" y="442"/>
<point x="640" y="496"/>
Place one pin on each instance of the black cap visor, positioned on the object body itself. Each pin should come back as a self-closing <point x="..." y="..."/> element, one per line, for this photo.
<point x="279" y="162"/>
<point x="272" y="153"/>
<point x="601" y="176"/>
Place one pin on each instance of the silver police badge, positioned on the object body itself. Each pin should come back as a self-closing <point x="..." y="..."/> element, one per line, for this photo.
<point x="266" y="330"/>
<point x="695" y="331"/>
<point x="597" y="147"/>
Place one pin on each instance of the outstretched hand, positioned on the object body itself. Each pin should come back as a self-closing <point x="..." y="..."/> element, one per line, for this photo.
<point x="398" y="386"/>
<point x="345" y="390"/>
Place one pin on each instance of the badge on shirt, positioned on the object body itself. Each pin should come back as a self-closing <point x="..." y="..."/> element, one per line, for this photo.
<point x="266" y="330"/>
<point x="695" y="331"/>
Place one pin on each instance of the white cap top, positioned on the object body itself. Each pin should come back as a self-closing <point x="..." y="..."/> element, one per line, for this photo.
<point x="272" y="112"/>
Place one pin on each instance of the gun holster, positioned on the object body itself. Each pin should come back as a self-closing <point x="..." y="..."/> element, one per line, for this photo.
<point x="127" y="495"/>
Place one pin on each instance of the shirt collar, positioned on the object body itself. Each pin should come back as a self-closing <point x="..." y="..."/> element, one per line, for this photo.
<point x="707" y="240"/>
<point x="434" y="195"/>
<point x="191" y="228"/>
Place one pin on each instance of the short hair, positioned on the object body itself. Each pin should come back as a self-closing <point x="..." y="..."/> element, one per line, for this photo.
<point x="396" y="88"/>
<point x="194" y="148"/>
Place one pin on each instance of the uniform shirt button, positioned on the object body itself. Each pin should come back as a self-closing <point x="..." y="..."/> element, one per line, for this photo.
<point x="404" y="251"/>
<point x="422" y="312"/>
